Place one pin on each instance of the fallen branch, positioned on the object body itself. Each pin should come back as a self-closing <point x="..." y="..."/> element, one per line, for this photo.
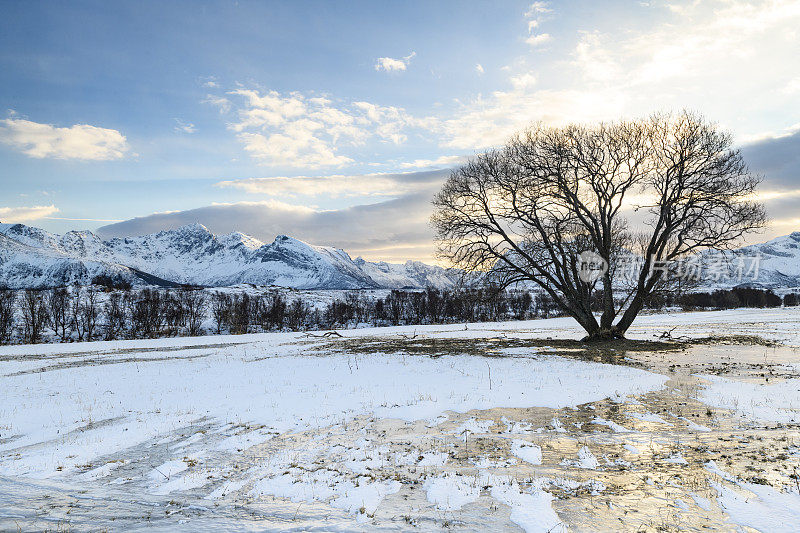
<point x="326" y="335"/>
<point x="667" y="335"/>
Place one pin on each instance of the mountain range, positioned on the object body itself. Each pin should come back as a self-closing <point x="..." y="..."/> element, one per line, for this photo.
<point x="774" y="264"/>
<point x="32" y="257"/>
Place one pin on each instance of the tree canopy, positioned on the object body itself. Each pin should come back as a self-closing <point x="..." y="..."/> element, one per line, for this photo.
<point x="609" y="209"/>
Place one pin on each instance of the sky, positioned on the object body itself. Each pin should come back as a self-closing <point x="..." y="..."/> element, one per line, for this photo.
<point x="336" y="122"/>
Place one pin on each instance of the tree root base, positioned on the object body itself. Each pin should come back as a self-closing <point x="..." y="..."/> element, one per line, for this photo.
<point x="604" y="335"/>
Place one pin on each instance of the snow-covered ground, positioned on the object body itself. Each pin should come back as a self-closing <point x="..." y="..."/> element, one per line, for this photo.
<point x="365" y="432"/>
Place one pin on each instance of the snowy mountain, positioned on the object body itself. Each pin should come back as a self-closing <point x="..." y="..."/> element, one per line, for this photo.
<point x="773" y="264"/>
<point x="31" y="257"/>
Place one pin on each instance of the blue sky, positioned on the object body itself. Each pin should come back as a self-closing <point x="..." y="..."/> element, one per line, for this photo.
<point x="282" y="117"/>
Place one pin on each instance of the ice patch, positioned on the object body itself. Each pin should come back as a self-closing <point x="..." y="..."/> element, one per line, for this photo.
<point x="760" y="507"/>
<point x="776" y="402"/>
<point x="451" y="492"/>
<point x="586" y="459"/>
<point x="530" y="453"/>
<point x="649" y="417"/>
<point x="677" y="459"/>
<point x="610" y="424"/>
<point x="473" y="425"/>
<point x="530" y="509"/>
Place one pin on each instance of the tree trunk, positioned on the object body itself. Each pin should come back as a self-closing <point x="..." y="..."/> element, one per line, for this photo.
<point x="604" y="334"/>
<point x="607" y="318"/>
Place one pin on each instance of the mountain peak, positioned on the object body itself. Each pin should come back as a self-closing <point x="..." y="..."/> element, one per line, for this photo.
<point x="287" y="241"/>
<point x="194" y="227"/>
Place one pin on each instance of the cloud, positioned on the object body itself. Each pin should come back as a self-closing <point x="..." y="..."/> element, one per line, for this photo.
<point x="394" y="230"/>
<point x="80" y="141"/>
<point x="303" y="131"/>
<point x="184" y="127"/>
<point x="535" y="16"/>
<point x="397" y="229"/>
<point x="728" y="59"/>
<point x="445" y="160"/>
<point x="297" y="147"/>
<point x="486" y="122"/>
<point x="336" y="186"/>
<point x="792" y="86"/>
<point x="538" y="39"/>
<point x="22" y="214"/>
<point x="778" y="159"/>
<point x="523" y="81"/>
<point x="769" y="195"/>
<point x="85" y="219"/>
<point x="390" y="64"/>
<point x="220" y="102"/>
<point x="209" y="82"/>
<point x="479" y="69"/>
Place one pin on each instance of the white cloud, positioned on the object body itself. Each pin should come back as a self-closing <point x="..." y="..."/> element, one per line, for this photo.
<point x="479" y="68"/>
<point x="764" y="195"/>
<point x="80" y="141"/>
<point x="85" y="219"/>
<point x="700" y="41"/>
<point x="370" y="230"/>
<point x="209" y="82"/>
<point x="300" y="131"/>
<point x="184" y="127"/>
<point x="727" y="59"/>
<point x="445" y="160"/>
<point x="489" y="122"/>
<point x="537" y="8"/>
<point x="398" y="229"/>
<point x="768" y="135"/>
<point x="22" y="214"/>
<point x="221" y="102"/>
<point x="537" y="39"/>
<point x="534" y="16"/>
<point x="785" y="224"/>
<point x="297" y="147"/>
<point x="390" y="64"/>
<point x="523" y="81"/>
<point x="792" y="87"/>
<point x="340" y="185"/>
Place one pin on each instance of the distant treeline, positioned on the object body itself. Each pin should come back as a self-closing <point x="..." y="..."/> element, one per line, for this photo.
<point x="103" y="312"/>
<point x="108" y="312"/>
<point x="738" y="297"/>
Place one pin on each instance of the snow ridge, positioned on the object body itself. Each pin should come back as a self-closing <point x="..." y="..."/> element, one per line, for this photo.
<point x="32" y="257"/>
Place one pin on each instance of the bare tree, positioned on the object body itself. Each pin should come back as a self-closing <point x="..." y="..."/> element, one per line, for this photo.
<point x="174" y="313"/>
<point x="76" y="324"/>
<point x="58" y="303"/>
<point x="89" y="312"/>
<point x="34" y="315"/>
<point x="297" y="314"/>
<point x="193" y="303"/>
<point x="552" y="208"/>
<point x="221" y="310"/>
<point x="8" y="300"/>
<point x="114" y="309"/>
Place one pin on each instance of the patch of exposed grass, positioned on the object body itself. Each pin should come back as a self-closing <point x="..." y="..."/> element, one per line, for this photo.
<point x="743" y="340"/>
<point x="612" y="351"/>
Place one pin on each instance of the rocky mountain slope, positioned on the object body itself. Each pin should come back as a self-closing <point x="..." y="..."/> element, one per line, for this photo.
<point x="31" y="257"/>
<point x="774" y="264"/>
